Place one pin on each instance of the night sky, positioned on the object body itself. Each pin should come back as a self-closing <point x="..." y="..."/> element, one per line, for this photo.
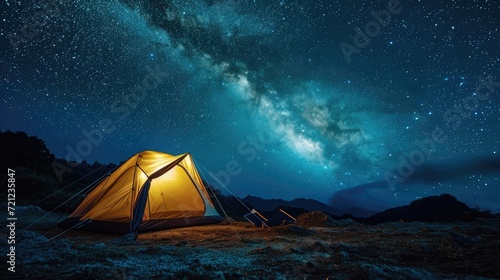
<point x="332" y="100"/>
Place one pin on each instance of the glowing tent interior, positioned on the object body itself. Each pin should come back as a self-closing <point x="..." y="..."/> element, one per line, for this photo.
<point x="149" y="191"/>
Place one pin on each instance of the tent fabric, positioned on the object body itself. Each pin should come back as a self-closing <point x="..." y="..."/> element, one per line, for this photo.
<point x="151" y="190"/>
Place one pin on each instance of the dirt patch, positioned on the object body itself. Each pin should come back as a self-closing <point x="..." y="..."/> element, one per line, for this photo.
<point x="315" y="219"/>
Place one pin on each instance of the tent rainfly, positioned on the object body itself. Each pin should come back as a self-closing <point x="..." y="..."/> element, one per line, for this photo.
<point x="149" y="191"/>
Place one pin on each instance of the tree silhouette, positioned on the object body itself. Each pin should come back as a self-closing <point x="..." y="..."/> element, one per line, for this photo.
<point x="31" y="159"/>
<point x="19" y="149"/>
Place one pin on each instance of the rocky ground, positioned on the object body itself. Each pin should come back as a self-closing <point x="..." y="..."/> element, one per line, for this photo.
<point x="315" y="248"/>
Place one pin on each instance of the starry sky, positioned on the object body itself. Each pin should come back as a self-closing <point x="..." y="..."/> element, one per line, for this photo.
<point x="356" y="103"/>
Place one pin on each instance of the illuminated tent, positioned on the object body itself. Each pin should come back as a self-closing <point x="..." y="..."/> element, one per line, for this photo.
<point x="149" y="191"/>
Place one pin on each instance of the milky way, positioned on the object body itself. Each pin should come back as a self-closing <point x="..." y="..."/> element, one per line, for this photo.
<point x="264" y="93"/>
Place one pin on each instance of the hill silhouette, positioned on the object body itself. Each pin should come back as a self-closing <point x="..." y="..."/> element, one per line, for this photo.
<point x="35" y="176"/>
<point x="31" y="160"/>
<point x="310" y="205"/>
<point x="442" y="208"/>
<point x="262" y="204"/>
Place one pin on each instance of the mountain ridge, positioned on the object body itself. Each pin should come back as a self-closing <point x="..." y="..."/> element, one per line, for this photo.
<point x="438" y="208"/>
<point x="263" y="204"/>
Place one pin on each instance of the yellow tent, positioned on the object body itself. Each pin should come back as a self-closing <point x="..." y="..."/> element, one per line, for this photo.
<point x="151" y="190"/>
